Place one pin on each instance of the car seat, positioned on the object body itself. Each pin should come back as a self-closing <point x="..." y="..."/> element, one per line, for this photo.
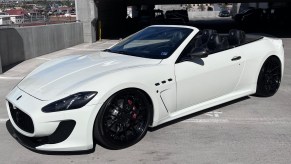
<point x="217" y="43"/>
<point x="203" y="39"/>
<point x="236" y="37"/>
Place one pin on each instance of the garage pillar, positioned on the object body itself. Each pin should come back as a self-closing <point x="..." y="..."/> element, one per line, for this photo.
<point x="87" y="13"/>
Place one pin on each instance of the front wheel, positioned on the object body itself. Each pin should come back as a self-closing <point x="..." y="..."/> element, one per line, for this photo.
<point x="123" y="119"/>
<point x="269" y="78"/>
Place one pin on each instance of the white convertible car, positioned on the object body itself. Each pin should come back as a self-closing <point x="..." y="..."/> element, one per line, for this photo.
<point x="154" y="76"/>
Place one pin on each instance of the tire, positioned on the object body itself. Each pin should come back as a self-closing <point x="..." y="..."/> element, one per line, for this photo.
<point x="123" y="119"/>
<point x="269" y="79"/>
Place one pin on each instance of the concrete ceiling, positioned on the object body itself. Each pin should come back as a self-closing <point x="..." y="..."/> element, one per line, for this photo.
<point x="157" y="2"/>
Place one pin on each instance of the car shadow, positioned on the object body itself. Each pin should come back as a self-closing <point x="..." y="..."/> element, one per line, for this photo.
<point x="198" y="61"/>
<point x="152" y="129"/>
<point x="85" y="152"/>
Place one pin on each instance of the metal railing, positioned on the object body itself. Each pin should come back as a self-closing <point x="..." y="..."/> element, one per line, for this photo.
<point x="38" y="23"/>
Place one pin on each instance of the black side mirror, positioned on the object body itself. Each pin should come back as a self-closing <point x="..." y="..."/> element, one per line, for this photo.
<point x="199" y="53"/>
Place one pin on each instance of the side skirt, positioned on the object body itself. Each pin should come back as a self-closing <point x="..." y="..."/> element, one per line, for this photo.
<point x="204" y="105"/>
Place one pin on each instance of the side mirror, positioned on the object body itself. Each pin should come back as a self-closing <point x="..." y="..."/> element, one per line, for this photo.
<point x="199" y="53"/>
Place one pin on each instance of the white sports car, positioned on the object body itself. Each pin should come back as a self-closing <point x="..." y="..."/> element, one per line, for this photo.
<point x="154" y="76"/>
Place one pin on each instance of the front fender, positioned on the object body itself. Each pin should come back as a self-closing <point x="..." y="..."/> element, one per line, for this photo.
<point x="143" y="78"/>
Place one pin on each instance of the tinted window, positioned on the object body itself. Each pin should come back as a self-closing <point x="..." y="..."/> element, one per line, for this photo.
<point x="153" y="42"/>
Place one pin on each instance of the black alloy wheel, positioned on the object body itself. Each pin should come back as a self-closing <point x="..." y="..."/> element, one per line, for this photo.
<point x="123" y="119"/>
<point x="269" y="78"/>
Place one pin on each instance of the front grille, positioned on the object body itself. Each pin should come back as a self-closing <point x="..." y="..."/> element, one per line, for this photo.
<point x="21" y="119"/>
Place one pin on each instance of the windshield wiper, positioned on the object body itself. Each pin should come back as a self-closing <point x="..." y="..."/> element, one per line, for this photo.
<point x="122" y="52"/>
<point x="119" y="52"/>
<point x="107" y="50"/>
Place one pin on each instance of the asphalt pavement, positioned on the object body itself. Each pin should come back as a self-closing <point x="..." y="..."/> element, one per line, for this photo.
<point x="247" y="130"/>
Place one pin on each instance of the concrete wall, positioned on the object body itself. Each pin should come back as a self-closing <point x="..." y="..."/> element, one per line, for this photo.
<point x="19" y="44"/>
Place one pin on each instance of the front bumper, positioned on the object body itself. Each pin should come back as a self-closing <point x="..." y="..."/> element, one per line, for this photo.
<point x="63" y="131"/>
<point x="58" y="131"/>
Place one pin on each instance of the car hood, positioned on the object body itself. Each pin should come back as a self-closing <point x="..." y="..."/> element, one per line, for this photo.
<point x="60" y="77"/>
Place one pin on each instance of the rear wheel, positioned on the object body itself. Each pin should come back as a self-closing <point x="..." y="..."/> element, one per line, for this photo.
<point x="269" y="78"/>
<point x="123" y="119"/>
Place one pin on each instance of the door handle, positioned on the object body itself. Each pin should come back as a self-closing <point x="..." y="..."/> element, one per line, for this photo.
<point x="236" y="58"/>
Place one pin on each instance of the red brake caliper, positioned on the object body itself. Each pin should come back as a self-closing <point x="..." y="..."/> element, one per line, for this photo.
<point x="133" y="116"/>
<point x="129" y="102"/>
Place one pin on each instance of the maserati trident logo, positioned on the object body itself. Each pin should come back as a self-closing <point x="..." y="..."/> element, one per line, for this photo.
<point x="19" y="98"/>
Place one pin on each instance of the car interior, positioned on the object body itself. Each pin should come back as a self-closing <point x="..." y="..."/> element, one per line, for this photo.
<point x="213" y="42"/>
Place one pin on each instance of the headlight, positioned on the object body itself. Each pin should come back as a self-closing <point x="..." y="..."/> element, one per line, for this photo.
<point x="74" y="101"/>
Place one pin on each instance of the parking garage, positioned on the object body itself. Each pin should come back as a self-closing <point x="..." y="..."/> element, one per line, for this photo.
<point x="109" y="19"/>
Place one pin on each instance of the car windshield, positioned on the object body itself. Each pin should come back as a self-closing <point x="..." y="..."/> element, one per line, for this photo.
<point x="152" y="42"/>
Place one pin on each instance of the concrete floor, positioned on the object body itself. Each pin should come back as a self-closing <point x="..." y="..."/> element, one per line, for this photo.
<point x="248" y="130"/>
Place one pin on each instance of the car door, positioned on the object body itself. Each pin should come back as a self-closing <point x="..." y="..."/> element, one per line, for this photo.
<point x="202" y="79"/>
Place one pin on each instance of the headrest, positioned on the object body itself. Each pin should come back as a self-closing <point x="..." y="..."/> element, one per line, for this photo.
<point x="177" y="36"/>
<point x="236" y="37"/>
<point x="206" y="34"/>
<point x="214" y="42"/>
